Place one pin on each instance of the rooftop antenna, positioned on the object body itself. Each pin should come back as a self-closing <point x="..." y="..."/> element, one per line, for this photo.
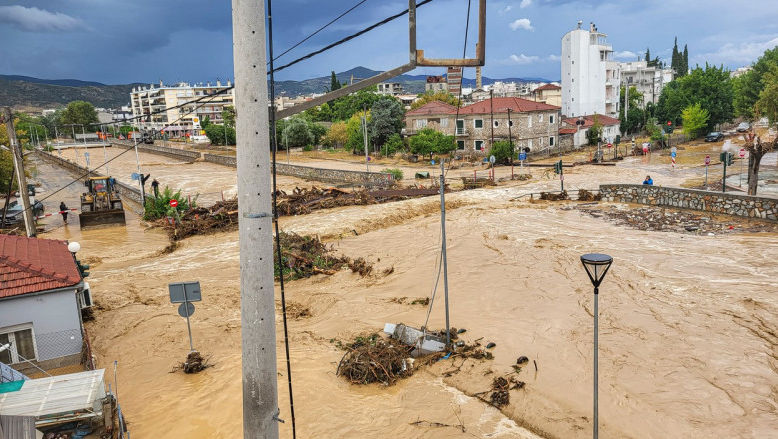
<point x="579" y="24"/>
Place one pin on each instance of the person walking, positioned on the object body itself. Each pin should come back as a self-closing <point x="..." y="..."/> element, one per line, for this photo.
<point x="155" y="186"/>
<point x="63" y="209"/>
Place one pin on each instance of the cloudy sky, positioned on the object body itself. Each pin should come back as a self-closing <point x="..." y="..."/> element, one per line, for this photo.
<point x="120" y="41"/>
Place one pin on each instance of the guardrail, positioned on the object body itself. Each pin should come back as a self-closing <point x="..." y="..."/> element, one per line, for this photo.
<point x="180" y="154"/>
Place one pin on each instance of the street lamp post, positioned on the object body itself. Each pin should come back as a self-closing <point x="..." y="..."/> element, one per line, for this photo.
<point x="596" y="265"/>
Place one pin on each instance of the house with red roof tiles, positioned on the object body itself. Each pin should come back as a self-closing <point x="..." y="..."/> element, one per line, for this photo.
<point x="41" y="296"/>
<point x="549" y="93"/>
<point x="533" y="125"/>
<point x="578" y="127"/>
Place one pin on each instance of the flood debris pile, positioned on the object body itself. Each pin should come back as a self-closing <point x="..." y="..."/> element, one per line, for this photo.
<point x="499" y="394"/>
<point x="303" y="256"/>
<point x="302" y="200"/>
<point x="554" y="196"/>
<point x="672" y="220"/>
<point x="479" y="182"/>
<point x="373" y="359"/>
<point x="194" y="363"/>
<point x="221" y="217"/>
<point x="584" y="195"/>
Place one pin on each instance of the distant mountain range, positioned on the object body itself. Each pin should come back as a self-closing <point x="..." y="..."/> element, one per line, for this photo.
<point x="25" y="92"/>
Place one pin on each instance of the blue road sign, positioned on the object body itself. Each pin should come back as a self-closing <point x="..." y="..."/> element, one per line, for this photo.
<point x="522" y="156"/>
<point x="134" y="176"/>
<point x="672" y="154"/>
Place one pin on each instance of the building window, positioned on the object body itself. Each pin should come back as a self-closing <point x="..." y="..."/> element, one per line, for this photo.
<point x="460" y="144"/>
<point x="540" y="117"/>
<point x="496" y="123"/>
<point x="478" y="123"/>
<point x="510" y="123"/>
<point x="460" y="127"/>
<point x="22" y="344"/>
<point x="529" y="144"/>
<point x="529" y="122"/>
<point x="551" y="141"/>
<point x="479" y="145"/>
<point x="551" y="119"/>
<point x="444" y="122"/>
<point x="421" y="123"/>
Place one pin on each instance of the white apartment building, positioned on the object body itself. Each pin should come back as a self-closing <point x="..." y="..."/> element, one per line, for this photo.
<point x="590" y="76"/>
<point x="390" y="88"/>
<point x="648" y="80"/>
<point x="179" y="121"/>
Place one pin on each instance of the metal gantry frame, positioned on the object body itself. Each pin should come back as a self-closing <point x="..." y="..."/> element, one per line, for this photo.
<point x="416" y="59"/>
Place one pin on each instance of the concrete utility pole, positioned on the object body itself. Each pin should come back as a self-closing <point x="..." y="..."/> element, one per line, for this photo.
<point x="364" y="121"/>
<point x="258" y="330"/>
<point x="21" y="179"/>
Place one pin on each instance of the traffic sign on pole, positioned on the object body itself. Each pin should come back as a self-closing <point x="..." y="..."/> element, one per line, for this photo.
<point x="742" y="152"/>
<point x="173" y="203"/>
<point x="707" y="160"/>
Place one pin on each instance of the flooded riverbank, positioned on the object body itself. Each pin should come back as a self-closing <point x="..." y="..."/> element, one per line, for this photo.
<point x="686" y="348"/>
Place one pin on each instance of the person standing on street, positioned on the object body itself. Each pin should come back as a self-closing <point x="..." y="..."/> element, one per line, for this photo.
<point x="63" y="209"/>
<point x="155" y="186"/>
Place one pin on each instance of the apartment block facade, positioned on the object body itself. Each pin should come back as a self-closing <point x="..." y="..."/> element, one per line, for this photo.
<point x="648" y="80"/>
<point x="179" y="121"/>
<point x="590" y="76"/>
<point x="530" y="124"/>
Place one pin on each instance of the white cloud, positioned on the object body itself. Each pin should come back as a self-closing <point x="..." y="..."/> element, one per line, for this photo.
<point x="505" y="10"/>
<point x="626" y="54"/>
<point x="525" y="3"/>
<point x="736" y="54"/>
<point x="38" y="20"/>
<point x="523" y="59"/>
<point x="553" y="57"/>
<point x="521" y="23"/>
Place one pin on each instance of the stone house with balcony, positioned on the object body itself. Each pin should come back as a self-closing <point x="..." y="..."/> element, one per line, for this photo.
<point x="530" y="124"/>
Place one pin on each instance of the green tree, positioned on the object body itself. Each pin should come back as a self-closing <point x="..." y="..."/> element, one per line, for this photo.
<point x="442" y="96"/>
<point x="633" y="122"/>
<point x="79" y="112"/>
<point x="126" y="129"/>
<point x="429" y="141"/>
<point x="749" y="85"/>
<point x="695" y="120"/>
<point x="228" y="115"/>
<point x="355" y="134"/>
<point x="334" y="83"/>
<point x="502" y="151"/>
<point x="711" y="87"/>
<point x="216" y="134"/>
<point x="336" y="136"/>
<point x="393" y="144"/>
<point x="345" y="107"/>
<point x="594" y="132"/>
<point x="648" y="55"/>
<point x="386" y="119"/>
<point x="685" y="59"/>
<point x="322" y="113"/>
<point x="767" y="105"/>
<point x="205" y="122"/>
<point x="297" y="133"/>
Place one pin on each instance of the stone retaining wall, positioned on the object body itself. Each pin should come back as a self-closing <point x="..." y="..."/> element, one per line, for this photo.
<point x="317" y="174"/>
<point x="180" y="154"/>
<point x="714" y="202"/>
<point x="127" y="192"/>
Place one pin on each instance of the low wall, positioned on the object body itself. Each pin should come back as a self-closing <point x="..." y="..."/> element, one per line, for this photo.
<point x="180" y="154"/>
<point x="714" y="202"/>
<point x="127" y="192"/>
<point x="317" y="174"/>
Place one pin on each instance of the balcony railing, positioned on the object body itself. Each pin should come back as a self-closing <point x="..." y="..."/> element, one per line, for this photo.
<point x="461" y="131"/>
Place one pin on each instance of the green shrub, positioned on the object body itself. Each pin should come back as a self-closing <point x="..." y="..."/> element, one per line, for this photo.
<point x="397" y="174"/>
<point x="429" y="141"/>
<point x="393" y="144"/>
<point x="502" y="151"/>
<point x="158" y="207"/>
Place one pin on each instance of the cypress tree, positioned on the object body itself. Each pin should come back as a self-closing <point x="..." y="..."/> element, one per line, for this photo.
<point x="674" y="61"/>
<point x="334" y="83"/>
<point x="648" y="55"/>
<point x="685" y="59"/>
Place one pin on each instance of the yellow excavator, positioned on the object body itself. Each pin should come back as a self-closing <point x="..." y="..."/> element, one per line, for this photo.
<point x="101" y="203"/>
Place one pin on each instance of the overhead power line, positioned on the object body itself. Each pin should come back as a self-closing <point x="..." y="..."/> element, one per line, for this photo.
<point x="315" y="32"/>
<point x="348" y="38"/>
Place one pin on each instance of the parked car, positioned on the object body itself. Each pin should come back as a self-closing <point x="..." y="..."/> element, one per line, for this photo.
<point x="714" y="137"/>
<point x="14" y="214"/>
<point x="743" y="127"/>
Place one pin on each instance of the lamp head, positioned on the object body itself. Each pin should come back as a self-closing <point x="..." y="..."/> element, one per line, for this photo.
<point x="74" y="247"/>
<point x="596" y="265"/>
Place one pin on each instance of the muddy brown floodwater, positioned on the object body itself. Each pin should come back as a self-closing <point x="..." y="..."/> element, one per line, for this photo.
<point x="687" y="338"/>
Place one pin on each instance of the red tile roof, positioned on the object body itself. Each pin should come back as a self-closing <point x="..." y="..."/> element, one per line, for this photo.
<point x="549" y="87"/>
<point x="501" y="105"/>
<point x="567" y="131"/>
<point x="433" y="107"/>
<point x="31" y="265"/>
<point x="589" y="120"/>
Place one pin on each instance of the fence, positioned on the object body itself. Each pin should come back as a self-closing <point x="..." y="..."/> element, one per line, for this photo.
<point x="180" y="154"/>
<point x="59" y="344"/>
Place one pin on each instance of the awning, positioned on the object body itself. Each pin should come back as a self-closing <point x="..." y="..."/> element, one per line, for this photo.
<point x="73" y="392"/>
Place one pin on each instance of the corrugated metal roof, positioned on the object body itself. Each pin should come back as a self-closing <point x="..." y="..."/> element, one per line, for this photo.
<point x="17" y="427"/>
<point x="59" y="394"/>
<point x="30" y="265"/>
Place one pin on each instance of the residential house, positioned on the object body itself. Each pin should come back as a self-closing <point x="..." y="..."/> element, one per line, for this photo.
<point x="550" y="94"/>
<point x="390" y="88"/>
<point x="579" y="126"/>
<point x="41" y="297"/>
<point x="532" y="124"/>
<point x="436" y="84"/>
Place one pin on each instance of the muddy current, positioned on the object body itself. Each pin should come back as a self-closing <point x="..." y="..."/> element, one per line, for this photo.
<point x="688" y="346"/>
